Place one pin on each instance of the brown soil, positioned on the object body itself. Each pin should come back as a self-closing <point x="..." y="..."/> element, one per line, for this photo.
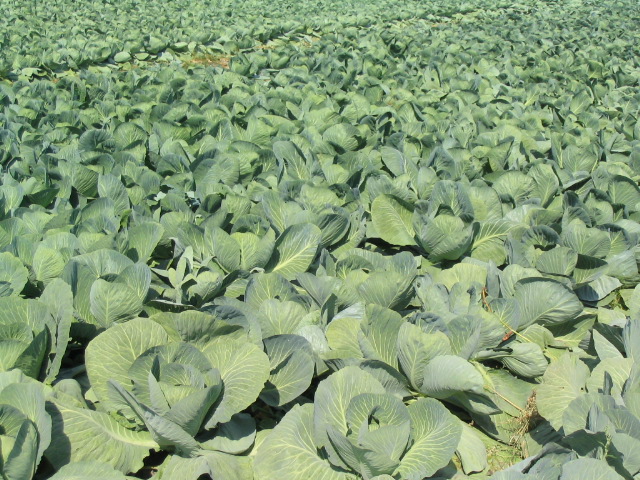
<point x="208" y="61"/>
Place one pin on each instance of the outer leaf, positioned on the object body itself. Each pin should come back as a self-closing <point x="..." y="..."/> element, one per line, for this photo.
<point x="255" y="252"/>
<point x="13" y="272"/>
<point x="342" y="335"/>
<point x="488" y="244"/>
<point x="166" y="433"/>
<point x="387" y="289"/>
<point x="265" y="286"/>
<point x="334" y="395"/>
<point x="111" y="187"/>
<point x="588" y="469"/>
<point x="225" y="248"/>
<point x="381" y="330"/>
<point x="447" y="375"/>
<point x="244" y="369"/>
<point x="176" y="467"/>
<point x="113" y="302"/>
<point x="110" y="355"/>
<point x="393" y="220"/>
<point x="525" y="359"/>
<point x="59" y="299"/>
<point x="563" y="381"/>
<point x="89" y="469"/>
<point x="388" y="435"/>
<point x="142" y="240"/>
<point x="445" y="237"/>
<point x="292" y="367"/>
<point x="629" y="449"/>
<point x="342" y="136"/>
<point x="546" y="302"/>
<point x="436" y="434"/>
<point x="631" y="338"/>
<point x="83" y="434"/>
<point x="235" y="437"/>
<point x="231" y="467"/>
<point x="138" y="278"/>
<point x="416" y="349"/>
<point x="618" y="368"/>
<point x="28" y="397"/>
<point x="280" y="318"/>
<point x="289" y="153"/>
<point x="47" y="264"/>
<point x="295" y="250"/>
<point x="471" y="451"/>
<point x="22" y="460"/>
<point x="294" y="435"/>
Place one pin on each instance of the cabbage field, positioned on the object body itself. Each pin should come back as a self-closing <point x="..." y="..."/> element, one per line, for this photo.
<point x="320" y="240"/>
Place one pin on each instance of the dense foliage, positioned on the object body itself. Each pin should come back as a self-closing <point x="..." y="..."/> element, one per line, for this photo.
<point x="319" y="240"/>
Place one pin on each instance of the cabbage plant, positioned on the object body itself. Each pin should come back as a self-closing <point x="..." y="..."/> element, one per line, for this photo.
<point x="356" y="429"/>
